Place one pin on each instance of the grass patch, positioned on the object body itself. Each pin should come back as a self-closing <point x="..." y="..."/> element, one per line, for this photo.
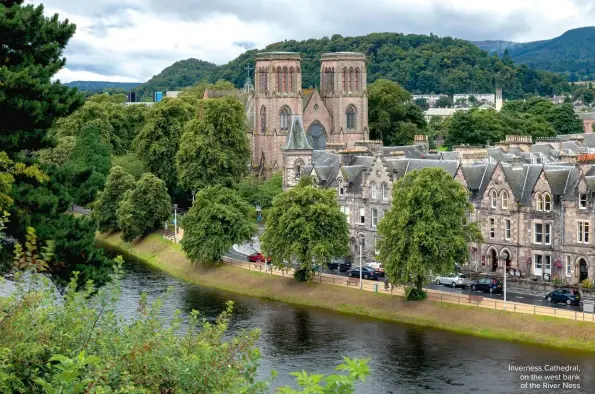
<point x="462" y="319"/>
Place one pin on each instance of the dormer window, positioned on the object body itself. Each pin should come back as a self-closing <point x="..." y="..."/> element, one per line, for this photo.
<point x="493" y="198"/>
<point x="504" y="199"/>
<point x="547" y="202"/>
<point x="539" y="202"/>
<point x="582" y="204"/>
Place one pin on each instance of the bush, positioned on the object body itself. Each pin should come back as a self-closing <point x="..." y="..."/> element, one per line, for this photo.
<point x="587" y="284"/>
<point x="413" y="294"/>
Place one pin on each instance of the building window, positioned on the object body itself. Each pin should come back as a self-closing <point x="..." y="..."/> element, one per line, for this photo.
<point x="263" y="119"/>
<point x="547" y="202"/>
<point x="278" y="79"/>
<point x="362" y="215"/>
<point x="345" y="210"/>
<point x="507" y="229"/>
<point x="493" y="198"/>
<point x="504" y="199"/>
<point x="374" y="217"/>
<point x="538" y="233"/>
<point x="374" y="190"/>
<point x="582" y="201"/>
<point x="350" y="117"/>
<point x="492" y="228"/>
<point x="356" y="81"/>
<point x="291" y="79"/>
<point x="547" y="264"/>
<point x="538" y="202"/>
<point x="384" y="191"/>
<point x="582" y="232"/>
<point x="284" y="79"/>
<point x="345" y="79"/>
<point x="547" y="232"/>
<point x="341" y="188"/>
<point x="376" y="250"/>
<point x="284" y="118"/>
<point x="568" y="266"/>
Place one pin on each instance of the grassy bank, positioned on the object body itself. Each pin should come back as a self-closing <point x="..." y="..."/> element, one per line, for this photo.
<point x="516" y="327"/>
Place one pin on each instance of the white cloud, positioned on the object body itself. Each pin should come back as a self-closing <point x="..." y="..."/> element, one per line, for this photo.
<point x="131" y="40"/>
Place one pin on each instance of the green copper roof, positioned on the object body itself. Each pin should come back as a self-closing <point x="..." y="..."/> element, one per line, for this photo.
<point x="296" y="139"/>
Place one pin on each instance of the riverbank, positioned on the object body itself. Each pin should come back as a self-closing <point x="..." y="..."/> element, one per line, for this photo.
<point x="539" y="330"/>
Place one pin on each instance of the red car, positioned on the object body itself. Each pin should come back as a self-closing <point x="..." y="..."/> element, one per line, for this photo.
<point x="257" y="258"/>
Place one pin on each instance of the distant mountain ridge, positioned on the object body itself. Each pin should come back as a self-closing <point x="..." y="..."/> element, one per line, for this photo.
<point x="101" y="86"/>
<point x="572" y="53"/>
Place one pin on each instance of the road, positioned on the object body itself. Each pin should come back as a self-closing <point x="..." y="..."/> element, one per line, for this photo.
<point x="510" y="296"/>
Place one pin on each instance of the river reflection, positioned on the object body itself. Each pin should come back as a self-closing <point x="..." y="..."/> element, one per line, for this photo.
<point x="403" y="358"/>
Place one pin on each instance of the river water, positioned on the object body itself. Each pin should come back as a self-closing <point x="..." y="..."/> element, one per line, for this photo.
<point x="403" y="358"/>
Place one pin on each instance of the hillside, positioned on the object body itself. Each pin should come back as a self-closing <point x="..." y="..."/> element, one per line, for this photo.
<point x="572" y="54"/>
<point x="179" y="75"/>
<point x="422" y="64"/>
<point x="101" y="86"/>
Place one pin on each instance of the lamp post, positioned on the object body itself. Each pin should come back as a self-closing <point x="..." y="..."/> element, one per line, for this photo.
<point x="503" y="259"/>
<point x="361" y="244"/>
<point x="193" y="194"/>
<point x="175" y="223"/>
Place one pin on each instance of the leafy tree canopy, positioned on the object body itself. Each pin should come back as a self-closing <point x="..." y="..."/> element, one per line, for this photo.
<point x="144" y="208"/>
<point x="104" y="210"/>
<point x="157" y="143"/>
<point x="561" y="117"/>
<point x="218" y="219"/>
<point x="214" y="148"/>
<point x="425" y="232"/>
<point x="393" y="118"/>
<point x="305" y="227"/>
<point x="255" y="191"/>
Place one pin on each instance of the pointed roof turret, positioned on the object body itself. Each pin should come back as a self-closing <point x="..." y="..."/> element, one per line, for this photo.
<point x="296" y="139"/>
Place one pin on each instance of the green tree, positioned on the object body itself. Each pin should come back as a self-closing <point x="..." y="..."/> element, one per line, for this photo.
<point x="30" y="55"/>
<point x="255" y="191"/>
<point x="422" y="103"/>
<point x="305" y="227"/>
<point x="158" y="141"/>
<point x="131" y="163"/>
<point x="214" y="148"/>
<point x="60" y="154"/>
<point x="475" y="127"/>
<point x="393" y="118"/>
<point x="444" y="102"/>
<point x="564" y="120"/>
<point x="425" y="232"/>
<point x="218" y="219"/>
<point x="473" y="101"/>
<point x="89" y="164"/>
<point x="144" y="208"/>
<point x="104" y="210"/>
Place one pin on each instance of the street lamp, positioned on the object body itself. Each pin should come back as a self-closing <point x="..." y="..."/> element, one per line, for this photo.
<point x="193" y="194"/>
<point x="361" y="244"/>
<point x="175" y="223"/>
<point x="503" y="257"/>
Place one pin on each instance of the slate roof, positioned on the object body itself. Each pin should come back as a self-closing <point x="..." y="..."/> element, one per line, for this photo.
<point x="450" y="155"/>
<point x="350" y="173"/>
<point x="478" y="177"/>
<point x="557" y="178"/>
<point x="404" y="166"/>
<point x="326" y="166"/>
<point x="497" y="154"/>
<point x="590" y="181"/>
<point x="296" y="139"/>
<point x="408" y="149"/>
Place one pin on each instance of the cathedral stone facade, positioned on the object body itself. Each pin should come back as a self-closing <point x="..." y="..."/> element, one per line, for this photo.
<point x="336" y="113"/>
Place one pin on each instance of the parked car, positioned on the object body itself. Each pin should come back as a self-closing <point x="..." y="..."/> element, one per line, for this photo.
<point x="567" y="296"/>
<point x="487" y="285"/>
<point x="377" y="267"/>
<point x="453" y="280"/>
<point x="342" y="264"/>
<point x="367" y="273"/>
<point x="258" y="257"/>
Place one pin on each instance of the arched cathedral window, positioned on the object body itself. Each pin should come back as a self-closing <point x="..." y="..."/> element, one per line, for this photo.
<point x="263" y="119"/>
<point x="351" y="117"/>
<point x="284" y="118"/>
<point x="285" y="79"/>
<point x="278" y="79"/>
<point x="356" y="80"/>
<point x="290" y="79"/>
<point x="344" y="79"/>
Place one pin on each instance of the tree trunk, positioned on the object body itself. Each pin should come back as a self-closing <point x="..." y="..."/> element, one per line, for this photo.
<point x="419" y="283"/>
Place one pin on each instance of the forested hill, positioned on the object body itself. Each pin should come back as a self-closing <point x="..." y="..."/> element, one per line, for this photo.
<point x="101" y="86"/>
<point x="422" y="64"/>
<point x="573" y="53"/>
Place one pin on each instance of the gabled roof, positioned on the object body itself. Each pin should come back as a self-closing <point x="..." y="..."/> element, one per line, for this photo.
<point x="557" y="178"/>
<point x="350" y="173"/>
<point x="478" y="177"/>
<point x="326" y="166"/>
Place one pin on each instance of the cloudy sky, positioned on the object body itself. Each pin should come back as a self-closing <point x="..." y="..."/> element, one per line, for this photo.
<point x="132" y="40"/>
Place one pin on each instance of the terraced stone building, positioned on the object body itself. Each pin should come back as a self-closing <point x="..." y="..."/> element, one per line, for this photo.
<point x="534" y="201"/>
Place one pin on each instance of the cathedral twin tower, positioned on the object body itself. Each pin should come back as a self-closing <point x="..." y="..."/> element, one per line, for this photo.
<point x="336" y="113"/>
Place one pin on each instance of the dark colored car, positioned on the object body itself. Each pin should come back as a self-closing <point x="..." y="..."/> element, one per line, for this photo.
<point x="567" y="296"/>
<point x="487" y="285"/>
<point x="258" y="258"/>
<point x="342" y="264"/>
<point x="367" y="273"/>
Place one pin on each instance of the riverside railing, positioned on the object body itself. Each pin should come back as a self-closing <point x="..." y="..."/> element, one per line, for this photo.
<point x="434" y="295"/>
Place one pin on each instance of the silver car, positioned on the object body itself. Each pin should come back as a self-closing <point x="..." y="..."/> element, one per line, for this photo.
<point x="453" y="280"/>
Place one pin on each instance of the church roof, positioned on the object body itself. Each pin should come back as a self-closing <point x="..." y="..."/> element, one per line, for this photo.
<point x="296" y="139"/>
